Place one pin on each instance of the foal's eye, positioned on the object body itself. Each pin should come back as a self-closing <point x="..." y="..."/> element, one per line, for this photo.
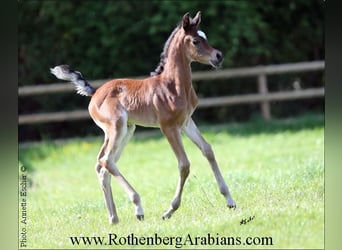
<point x="195" y="42"/>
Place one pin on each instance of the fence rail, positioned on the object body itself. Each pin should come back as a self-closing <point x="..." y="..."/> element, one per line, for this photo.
<point x="264" y="97"/>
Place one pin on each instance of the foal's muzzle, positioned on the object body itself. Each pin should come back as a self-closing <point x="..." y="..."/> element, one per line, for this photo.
<point x="216" y="59"/>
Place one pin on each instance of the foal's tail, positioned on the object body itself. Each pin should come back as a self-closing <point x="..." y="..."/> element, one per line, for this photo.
<point x="64" y="72"/>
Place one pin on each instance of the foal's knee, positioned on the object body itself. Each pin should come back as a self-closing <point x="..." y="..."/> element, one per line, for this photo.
<point x="102" y="162"/>
<point x="184" y="169"/>
<point x="208" y="151"/>
<point x="98" y="168"/>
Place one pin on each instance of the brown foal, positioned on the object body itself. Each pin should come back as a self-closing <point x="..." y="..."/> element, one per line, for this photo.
<point x="166" y="99"/>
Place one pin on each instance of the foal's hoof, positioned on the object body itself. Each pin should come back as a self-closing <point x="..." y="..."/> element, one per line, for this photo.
<point x="113" y="221"/>
<point x="166" y="215"/>
<point x="231" y="205"/>
<point x="140" y="217"/>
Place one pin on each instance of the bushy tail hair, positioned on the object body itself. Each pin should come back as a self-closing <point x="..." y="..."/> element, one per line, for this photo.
<point x="64" y="72"/>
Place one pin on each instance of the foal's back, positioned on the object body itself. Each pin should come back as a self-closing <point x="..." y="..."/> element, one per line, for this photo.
<point x="131" y="97"/>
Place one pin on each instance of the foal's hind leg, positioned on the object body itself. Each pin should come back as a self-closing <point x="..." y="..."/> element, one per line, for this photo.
<point x="133" y="195"/>
<point x="104" y="179"/>
<point x="195" y="136"/>
<point x="117" y="135"/>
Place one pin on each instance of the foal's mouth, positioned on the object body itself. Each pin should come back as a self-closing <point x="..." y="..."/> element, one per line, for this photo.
<point x="216" y="63"/>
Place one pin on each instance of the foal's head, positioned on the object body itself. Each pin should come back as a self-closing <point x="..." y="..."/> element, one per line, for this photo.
<point x="196" y="43"/>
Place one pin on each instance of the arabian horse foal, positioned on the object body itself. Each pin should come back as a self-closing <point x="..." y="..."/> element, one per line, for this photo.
<point x="166" y="99"/>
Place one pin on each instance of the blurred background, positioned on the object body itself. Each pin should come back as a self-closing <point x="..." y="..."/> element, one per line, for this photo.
<point x="115" y="39"/>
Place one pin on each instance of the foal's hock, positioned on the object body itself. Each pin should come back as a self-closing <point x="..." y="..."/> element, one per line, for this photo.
<point x="166" y="99"/>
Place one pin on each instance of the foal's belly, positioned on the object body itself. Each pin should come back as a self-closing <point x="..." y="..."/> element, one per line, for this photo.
<point x="144" y="118"/>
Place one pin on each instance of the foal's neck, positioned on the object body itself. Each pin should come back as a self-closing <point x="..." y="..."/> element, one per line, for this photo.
<point x="177" y="68"/>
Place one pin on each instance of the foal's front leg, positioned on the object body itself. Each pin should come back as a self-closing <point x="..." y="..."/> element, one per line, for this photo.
<point x="195" y="136"/>
<point x="174" y="138"/>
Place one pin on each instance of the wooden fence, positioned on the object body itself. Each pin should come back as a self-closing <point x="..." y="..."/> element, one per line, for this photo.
<point x="264" y="97"/>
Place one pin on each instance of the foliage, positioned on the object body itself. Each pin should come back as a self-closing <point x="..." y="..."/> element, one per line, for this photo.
<point x="107" y="39"/>
<point x="275" y="172"/>
<point x="110" y="38"/>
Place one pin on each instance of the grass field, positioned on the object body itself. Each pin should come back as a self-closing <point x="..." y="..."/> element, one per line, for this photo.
<point x="275" y="172"/>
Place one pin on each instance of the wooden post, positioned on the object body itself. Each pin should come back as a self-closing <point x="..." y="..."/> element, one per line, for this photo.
<point x="263" y="90"/>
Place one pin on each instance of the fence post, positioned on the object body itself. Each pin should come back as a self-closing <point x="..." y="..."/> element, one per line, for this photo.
<point x="264" y="105"/>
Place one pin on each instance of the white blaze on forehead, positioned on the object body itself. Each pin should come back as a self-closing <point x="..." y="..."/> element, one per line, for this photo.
<point x="201" y="34"/>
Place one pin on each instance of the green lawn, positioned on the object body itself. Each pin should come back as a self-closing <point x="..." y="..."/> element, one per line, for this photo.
<point x="275" y="172"/>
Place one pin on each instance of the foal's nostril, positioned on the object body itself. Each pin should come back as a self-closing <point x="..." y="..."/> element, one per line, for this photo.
<point x="219" y="56"/>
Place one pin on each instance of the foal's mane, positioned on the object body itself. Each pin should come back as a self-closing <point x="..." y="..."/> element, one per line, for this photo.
<point x="163" y="55"/>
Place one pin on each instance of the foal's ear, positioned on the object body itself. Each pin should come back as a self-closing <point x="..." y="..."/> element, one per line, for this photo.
<point x="197" y="19"/>
<point x="186" y="21"/>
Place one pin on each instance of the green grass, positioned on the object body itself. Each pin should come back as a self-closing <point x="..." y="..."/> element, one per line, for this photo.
<point x="275" y="172"/>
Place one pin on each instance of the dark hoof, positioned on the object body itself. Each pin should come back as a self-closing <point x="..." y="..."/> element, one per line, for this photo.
<point x="140" y="217"/>
<point x="232" y="206"/>
<point x="166" y="215"/>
